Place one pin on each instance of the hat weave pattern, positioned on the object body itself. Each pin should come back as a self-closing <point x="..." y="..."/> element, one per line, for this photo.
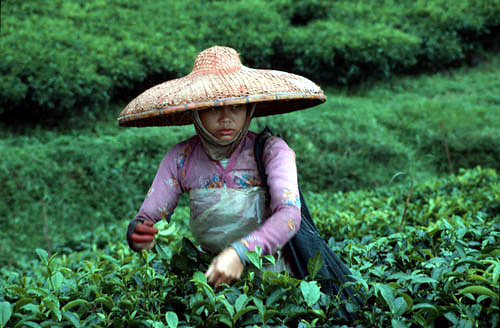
<point x="218" y="78"/>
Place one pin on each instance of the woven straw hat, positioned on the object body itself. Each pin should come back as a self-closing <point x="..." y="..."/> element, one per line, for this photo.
<point x="218" y="78"/>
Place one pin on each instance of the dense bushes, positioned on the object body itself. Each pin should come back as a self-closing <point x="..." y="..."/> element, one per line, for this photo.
<point x="72" y="183"/>
<point x="438" y="268"/>
<point x="77" y="55"/>
<point x="77" y="178"/>
<point x="346" y="41"/>
<point x="430" y="261"/>
<point x="433" y="124"/>
<point x="64" y="55"/>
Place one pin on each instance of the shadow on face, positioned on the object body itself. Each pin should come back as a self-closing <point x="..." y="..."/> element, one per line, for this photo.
<point x="225" y="122"/>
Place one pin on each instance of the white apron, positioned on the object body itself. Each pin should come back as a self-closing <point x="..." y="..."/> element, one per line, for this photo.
<point x="221" y="216"/>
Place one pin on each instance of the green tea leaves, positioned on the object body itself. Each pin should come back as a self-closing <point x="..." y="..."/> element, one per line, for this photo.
<point x="387" y="294"/>
<point x="310" y="292"/>
<point x="400" y="306"/>
<point x="74" y="303"/>
<point x="57" y="280"/>
<point x="496" y="272"/>
<point x="5" y="313"/>
<point x="241" y="302"/>
<point x="43" y="255"/>
<point x="436" y="269"/>
<point x="72" y="318"/>
<point x="172" y="320"/>
<point x="255" y="257"/>
<point x="314" y="265"/>
<point x="398" y="324"/>
<point x="479" y="290"/>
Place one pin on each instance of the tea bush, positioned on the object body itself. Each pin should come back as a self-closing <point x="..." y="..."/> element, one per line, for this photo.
<point x="75" y="182"/>
<point x="440" y="267"/>
<point x="67" y="57"/>
<point x="91" y="171"/>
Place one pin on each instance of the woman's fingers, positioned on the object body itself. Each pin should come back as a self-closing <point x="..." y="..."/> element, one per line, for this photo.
<point x="148" y="223"/>
<point x="213" y="273"/>
<point x="141" y="246"/>
<point x="146" y="228"/>
<point x="222" y="281"/>
<point x="139" y="238"/>
<point x="209" y="272"/>
<point x="219" y="278"/>
<point x="144" y="232"/>
<point x="225" y="268"/>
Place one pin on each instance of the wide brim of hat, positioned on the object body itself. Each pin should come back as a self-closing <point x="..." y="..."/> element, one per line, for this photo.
<point x="170" y="103"/>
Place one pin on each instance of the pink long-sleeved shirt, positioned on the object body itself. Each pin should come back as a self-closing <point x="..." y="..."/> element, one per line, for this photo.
<point x="186" y="166"/>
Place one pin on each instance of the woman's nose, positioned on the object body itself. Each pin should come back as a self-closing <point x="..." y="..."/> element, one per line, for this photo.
<point x="225" y="114"/>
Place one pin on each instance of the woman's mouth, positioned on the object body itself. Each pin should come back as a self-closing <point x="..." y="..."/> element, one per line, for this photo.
<point x="225" y="132"/>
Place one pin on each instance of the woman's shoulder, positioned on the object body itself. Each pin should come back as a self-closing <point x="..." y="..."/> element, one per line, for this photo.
<point x="183" y="147"/>
<point x="274" y="145"/>
<point x="276" y="142"/>
<point x="271" y="141"/>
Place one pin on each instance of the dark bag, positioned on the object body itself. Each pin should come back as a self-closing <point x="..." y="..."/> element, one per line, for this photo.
<point x="307" y="242"/>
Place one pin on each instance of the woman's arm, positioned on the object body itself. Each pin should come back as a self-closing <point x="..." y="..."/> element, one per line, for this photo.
<point x="159" y="203"/>
<point x="281" y="226"/>
<point x="165" y="190"/>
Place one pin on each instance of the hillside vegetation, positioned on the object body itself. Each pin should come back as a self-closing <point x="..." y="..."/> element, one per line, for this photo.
<point x="73" y="179"/>
<point x="434" y="264"/>
<point x="399" y="166"/>
<point x="63" y="58"/>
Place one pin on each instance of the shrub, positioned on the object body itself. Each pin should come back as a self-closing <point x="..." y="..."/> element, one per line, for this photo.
<point x="439" y="268"/>
<point x="75" y="55"/>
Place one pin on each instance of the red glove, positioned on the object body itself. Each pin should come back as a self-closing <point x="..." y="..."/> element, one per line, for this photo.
<point x="141" y="233"/>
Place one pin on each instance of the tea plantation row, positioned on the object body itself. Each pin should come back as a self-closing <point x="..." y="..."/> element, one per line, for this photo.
<point x="70" y="180"/>
<point x="75" y="56"/>
<point x="425" y="255"/>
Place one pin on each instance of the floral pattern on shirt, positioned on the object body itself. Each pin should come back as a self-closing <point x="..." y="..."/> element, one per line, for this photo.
<point x="212" y="182"/>
<point x="181" y="160"/>
<point x="244" y="242"/>
<point x="150" y="192"/>
<point x="166" y="211"/>
<point x="171" y="182"/>
<point x="290" y="198"/>
<point x="291" y="225"/>
<point x="246" y="180"/>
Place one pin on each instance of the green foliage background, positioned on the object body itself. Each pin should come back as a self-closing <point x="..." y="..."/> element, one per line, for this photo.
<point x="438" y="265"/>
<point x="68" y="56"/>
<point x="413" y="97"/>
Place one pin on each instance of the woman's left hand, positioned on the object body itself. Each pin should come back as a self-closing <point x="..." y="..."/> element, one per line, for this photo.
<point x="225" y="268"/>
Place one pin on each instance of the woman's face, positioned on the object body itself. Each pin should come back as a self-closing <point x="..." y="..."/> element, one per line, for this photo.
<point x="224" y="122"/>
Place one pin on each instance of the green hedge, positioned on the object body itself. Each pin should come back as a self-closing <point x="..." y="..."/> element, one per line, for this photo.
<point x="78" y="178"/>
<point x="439" y="268"/>
<point x="73" y="56"/>
<point x="73" y="183"/>
<point x="345" y="41"/>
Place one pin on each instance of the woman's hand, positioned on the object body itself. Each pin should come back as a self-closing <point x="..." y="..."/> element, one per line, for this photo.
<point x="143" y="236"/>
<point x="225" y="268"/>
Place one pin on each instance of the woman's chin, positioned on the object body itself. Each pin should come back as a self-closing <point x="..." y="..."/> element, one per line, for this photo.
<point x="225" y="137"/>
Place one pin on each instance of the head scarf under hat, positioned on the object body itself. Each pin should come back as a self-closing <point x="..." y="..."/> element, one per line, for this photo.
<point x="217" y="149"/>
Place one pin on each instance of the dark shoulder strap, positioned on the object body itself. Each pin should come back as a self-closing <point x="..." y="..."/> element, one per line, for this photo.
<point x="307" y="242"/>
<point x="258" y="150"/>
